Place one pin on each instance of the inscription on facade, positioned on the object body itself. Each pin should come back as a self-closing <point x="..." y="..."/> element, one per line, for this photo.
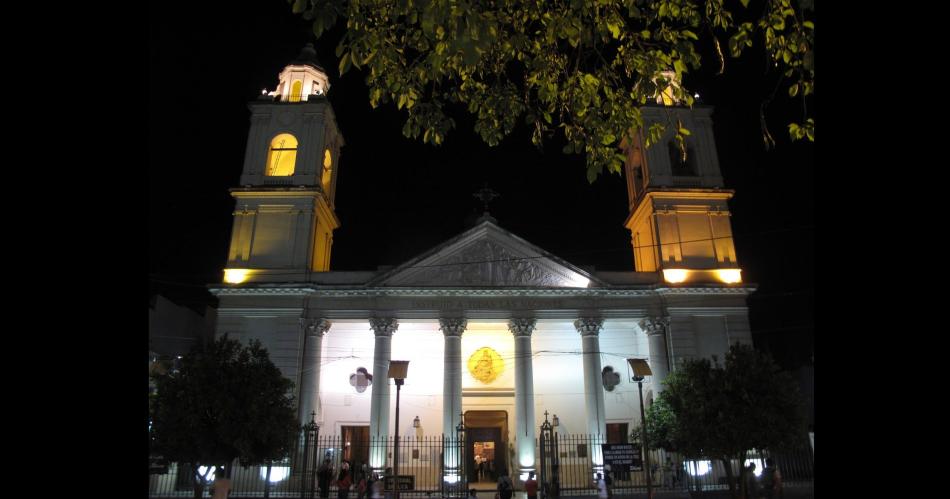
<point x="503" y="304"/>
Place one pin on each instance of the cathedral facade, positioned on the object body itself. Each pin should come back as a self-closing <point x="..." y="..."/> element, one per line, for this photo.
<point x="498" y="332"/>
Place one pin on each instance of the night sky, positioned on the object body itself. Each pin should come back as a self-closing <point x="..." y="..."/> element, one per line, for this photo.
<point x="397" y="197"/>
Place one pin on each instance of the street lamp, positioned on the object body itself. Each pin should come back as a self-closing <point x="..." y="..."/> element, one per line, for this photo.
<point x="641" y="370"/>
<point x="397" y="371"/>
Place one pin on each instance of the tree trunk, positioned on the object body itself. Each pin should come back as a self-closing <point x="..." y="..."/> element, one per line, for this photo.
<point x="730" y="477"/>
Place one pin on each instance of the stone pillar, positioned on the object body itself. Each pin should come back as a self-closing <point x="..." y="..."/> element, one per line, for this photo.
<point x="314" y="329"/>
<point x="589" y="329"/>
<point x="521" y="329"/>
<point x="656" y="329"/>
<point x="379" y="403"/>
<point x="452" y="330"/>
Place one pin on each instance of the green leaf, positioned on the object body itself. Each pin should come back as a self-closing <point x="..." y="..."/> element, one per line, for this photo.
<point x="299" y="6"/>
<point x="607" y="139"/>
<point x="345" y="63"/>
<point x="809" y="25"/>
<point x="614" y="30"/>
<point x="745" y="3"/>
<point x="793" y="90"/>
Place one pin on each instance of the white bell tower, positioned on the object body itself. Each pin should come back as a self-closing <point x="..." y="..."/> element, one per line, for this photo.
<point x="679" y="217"/>
<point x="284" y="214"/>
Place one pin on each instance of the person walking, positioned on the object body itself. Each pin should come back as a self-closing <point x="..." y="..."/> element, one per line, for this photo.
<point x="222" y="485"/>
<point x="324" y="476"/>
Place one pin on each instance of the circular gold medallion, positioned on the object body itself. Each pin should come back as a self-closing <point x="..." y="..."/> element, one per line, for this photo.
<point x="485" y="365"/>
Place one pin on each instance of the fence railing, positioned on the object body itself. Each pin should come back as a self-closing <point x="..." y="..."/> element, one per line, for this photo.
<point x="296" y="476"/>
<point x="423" y="459"/>
<point x="575" y="463"/>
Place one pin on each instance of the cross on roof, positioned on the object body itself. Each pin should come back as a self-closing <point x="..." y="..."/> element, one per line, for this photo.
<point x="486" y="195"/>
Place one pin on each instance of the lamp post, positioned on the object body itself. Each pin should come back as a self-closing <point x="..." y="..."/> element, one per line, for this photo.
<point x="397" y="371"/>
<point x="641" y="370"/>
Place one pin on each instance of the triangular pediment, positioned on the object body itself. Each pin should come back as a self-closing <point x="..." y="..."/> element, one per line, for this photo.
<point x="487" y="256"/>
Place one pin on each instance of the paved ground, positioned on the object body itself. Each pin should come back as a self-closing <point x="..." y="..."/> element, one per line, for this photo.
<point x="790" y="493"/>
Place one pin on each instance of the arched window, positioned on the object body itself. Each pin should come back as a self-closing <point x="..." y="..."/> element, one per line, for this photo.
<point x="680" y="167"/>
<point x="281" y="156"/>
<point x="295" y="90"/>
<point x="327" y="171"/>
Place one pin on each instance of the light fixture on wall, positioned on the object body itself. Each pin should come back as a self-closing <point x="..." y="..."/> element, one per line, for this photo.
<point x="416" y="423"/>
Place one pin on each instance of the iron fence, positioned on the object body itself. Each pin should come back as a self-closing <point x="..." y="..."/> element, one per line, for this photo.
<point x="566" y="467"/>
<point x="568" y="464"/>
<point x="422" y="458"/>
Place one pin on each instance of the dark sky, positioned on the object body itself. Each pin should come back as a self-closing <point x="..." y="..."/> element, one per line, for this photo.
<point x="397" y="197"/>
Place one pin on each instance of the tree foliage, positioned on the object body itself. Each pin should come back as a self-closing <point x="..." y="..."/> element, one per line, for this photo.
<point x="581" y="66"/>
<point x="226" y="401"/>
<point x="721" y="412"/>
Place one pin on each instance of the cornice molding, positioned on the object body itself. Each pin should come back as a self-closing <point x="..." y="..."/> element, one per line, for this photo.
<point x="476" y="293"/>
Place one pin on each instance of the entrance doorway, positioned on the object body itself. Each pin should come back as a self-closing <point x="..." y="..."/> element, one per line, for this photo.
<point x="486" y="444"/>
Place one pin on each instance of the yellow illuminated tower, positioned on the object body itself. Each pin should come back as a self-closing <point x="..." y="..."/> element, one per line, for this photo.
<point x="284" y="214"/>
<point x="679" y="217"/>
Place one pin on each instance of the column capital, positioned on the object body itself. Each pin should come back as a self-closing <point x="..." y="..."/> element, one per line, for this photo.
<point x="521" y="327"/>
<point x="589" y="326"/>
<point x="315" y="327"/>
<point x="654" y="325"/>
<point x="384" y="326"/>
<point x="452" y="326"/>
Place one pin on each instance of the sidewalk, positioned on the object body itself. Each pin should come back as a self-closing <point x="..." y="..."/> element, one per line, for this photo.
<point x="789" y="493"/>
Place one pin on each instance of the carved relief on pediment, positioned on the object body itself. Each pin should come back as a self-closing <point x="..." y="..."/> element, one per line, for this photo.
<point x="483" y="263"/>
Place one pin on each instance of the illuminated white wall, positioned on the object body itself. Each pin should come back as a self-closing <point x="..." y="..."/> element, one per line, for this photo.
<point x="422" y="344"/>
<point x="346" y="347"/>
<point x="620" y="340"/>
<point x="559" y="376"/>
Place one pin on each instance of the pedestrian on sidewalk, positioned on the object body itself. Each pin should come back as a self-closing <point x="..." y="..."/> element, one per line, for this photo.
<point x="749" y="488"/>
<point x="772" y="481"/>
<point x="531" y="486"/>
<point x="222" y="485"/>
<point x="601" y="486"/>
<point x="505" y="487"/>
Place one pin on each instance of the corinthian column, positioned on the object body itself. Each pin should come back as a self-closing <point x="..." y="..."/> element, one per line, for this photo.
<point x="313" y="329"/>
<point x="521" y="329"/>
<point x="589" y="329"/>
<point x="379" y="403"/>
<point x="452" y="330"/>
<point x="656" y="329"/>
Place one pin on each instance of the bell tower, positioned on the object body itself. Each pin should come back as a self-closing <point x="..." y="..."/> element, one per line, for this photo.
<point x="284" y="214"/>
<point x="679" y="217"/>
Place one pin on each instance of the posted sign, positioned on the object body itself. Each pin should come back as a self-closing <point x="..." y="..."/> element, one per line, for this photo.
<point x="623" y="457"/>
<point x="406" y="482"/>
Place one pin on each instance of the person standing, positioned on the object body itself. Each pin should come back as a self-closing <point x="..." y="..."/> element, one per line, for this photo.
<point x="222" y="485"/>
<point x="531" y="486"/>
<point x="344" y="481"/>
<point x="505" y="487"/>
<point x="601" y="486"/>
<point x="324" y="476"/>
<point x="750" y="485"/>
<point x="772" y="480"/>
